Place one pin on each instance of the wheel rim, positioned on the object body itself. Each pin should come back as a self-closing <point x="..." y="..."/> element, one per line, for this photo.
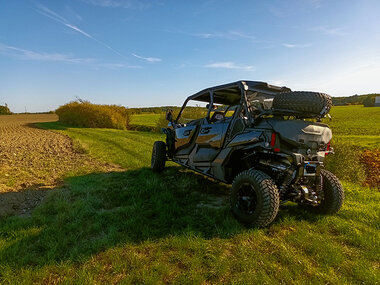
<point x="247" y="199"/>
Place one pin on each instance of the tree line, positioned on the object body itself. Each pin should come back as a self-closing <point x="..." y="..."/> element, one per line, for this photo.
<point x="368" y="100"/>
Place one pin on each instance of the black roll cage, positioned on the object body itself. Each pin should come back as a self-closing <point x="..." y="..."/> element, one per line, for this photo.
<point x="226" y="92"/>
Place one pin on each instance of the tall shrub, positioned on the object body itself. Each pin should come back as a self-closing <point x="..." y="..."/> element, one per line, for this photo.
<point x="369" y="101"/>
<point x="4" y="110"/>
<point x="86" y="114"/>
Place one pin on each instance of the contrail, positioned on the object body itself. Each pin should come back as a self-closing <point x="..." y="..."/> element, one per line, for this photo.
<point x="58" y="18"/>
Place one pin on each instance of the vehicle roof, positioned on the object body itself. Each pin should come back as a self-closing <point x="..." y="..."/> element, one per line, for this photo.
<point x="230" y="93"/>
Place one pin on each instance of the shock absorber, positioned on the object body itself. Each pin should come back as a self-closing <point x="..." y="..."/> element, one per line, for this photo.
<point x="290" y="173"/>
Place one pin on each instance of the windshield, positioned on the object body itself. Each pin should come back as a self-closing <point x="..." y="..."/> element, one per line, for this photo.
<point x="193" y="110"/>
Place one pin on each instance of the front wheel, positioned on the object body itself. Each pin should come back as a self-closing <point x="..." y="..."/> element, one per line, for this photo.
<point x="158" y="156"/>
<point x="254" y="198"/>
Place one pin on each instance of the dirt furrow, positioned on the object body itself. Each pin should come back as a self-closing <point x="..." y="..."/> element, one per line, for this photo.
<point x="33" y="160"/>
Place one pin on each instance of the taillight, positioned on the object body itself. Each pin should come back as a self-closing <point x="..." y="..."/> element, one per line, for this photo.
<point x="327" y="148"/>
<point x="273" y="140"/>
<point x="273" y="143"/>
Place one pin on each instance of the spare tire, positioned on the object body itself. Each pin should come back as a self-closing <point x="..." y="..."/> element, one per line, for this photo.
<point x="303" y="102"/>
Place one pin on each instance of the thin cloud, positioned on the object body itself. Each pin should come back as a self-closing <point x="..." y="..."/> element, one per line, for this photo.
<point x="148" y="59"/>
<point x="315" y="3"/>
<point x="329" y="31"/>
<point x="205" y="35"/>
<point x="40" y="56"/>
<point x="287" y="45"/>
<point x="230" y="65"/>
<point x="24" y="54"/>
<point x="229" y="35"/>
<point x="129" y="4"/>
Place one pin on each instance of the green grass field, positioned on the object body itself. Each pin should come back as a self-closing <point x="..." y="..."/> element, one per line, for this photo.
<point x="149" y="120"/>
<point x="355" y="120"/>
<point x="356" y="125"/>
<point x="136" y="226"/>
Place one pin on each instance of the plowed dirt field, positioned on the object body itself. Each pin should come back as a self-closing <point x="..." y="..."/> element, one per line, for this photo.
<point x="34" y="161"/>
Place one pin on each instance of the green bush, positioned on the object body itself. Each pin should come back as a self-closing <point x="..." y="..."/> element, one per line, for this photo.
<point x="161" y="123"/>
<point x="4" y="110"/>
<point x="369" y="101"/>
<point x="85" y="114"/>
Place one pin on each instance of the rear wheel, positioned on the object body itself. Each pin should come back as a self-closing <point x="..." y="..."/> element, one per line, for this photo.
<point x="303" y="102"/>
<point x="333" y="194"/>
<point x="158" y="156"/>
<point x="254" y="198"/>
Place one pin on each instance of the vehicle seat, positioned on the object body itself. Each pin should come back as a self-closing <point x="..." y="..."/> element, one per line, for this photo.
<point x="217" y="117"/>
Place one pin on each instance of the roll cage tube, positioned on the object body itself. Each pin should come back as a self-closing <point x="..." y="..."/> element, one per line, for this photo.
<point x="210" y="106"/>
<point x="188" y="99"/>
<point x="180" y="112"/>
<point x="242" y="85"/>
<point x="244" y="102"/>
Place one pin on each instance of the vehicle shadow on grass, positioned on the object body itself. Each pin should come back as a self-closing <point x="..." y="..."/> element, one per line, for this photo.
<point x="22" y="201"/>
<point x="98" y="211"/>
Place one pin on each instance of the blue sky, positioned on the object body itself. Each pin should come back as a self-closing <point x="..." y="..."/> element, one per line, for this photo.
<point x="155" y="53"/>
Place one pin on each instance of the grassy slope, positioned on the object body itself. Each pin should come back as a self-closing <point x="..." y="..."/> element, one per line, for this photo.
<point x="139" y="226"/>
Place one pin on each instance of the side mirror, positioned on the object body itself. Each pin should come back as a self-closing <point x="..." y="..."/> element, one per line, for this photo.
<point x="169" y="115"/>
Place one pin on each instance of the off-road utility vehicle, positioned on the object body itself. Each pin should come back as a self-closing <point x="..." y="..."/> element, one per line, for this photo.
<point x="266" y="140"/>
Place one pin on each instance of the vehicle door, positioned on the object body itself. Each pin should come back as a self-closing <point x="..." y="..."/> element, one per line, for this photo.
<point x="184" y="135"/>
<point x="188" y="125"/>
<point x="210" y="138"/>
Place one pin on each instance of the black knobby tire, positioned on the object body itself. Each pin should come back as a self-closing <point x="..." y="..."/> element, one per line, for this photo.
<point x="158" y="156"/>
<point x="254" y="198"/>
<point x="303" y="102"/>
<point x="333" y="194"/>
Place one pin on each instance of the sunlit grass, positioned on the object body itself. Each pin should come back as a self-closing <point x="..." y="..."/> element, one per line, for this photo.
<point x="140" y="227"/>
<point x="355" y="120"/>
<point x="145" y="119"/>
<point x="136" y="226"/>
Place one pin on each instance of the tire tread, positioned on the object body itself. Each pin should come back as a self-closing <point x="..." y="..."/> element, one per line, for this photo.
<point x="270" y="196"/>
<point x="306" y="102"/>
<point x="335" y="196"/>
<point x="158" y="162"/>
